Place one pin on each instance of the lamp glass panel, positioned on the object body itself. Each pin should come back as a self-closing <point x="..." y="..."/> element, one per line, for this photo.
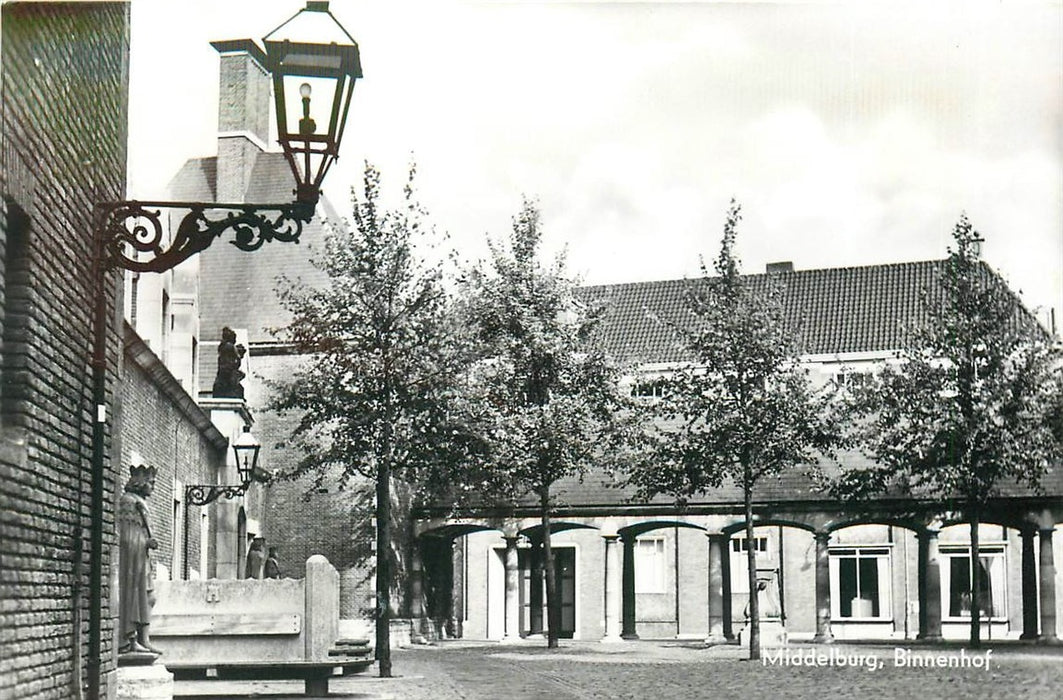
<point x="322" y="94"/>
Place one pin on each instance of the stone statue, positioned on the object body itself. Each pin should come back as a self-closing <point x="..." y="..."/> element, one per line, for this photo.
<point x="272" y="568"/>
<point x="136" y="590"/>
<point x="256" y="559"/>
<point x="230" y="356"/>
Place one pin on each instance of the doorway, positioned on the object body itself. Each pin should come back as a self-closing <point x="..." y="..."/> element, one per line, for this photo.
<point x="564" y="575"/>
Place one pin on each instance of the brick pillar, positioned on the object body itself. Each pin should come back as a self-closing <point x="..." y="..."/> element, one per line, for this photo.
<point x="1029" y="587"/>
<point x="613" y="583"/>
<point x="717" y="588"/>
<point x="512" y="605"/>
<point x="1048" y="589"/>
<point x="823" y="631"/>
<point x="929" y="587"/>
<point x="628" y="586"/>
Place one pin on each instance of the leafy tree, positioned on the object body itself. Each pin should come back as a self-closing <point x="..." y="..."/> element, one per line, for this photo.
<point x="971" y="402"/>
<point x="372" y="398"/>
<point x="544" y="403"/>
<point x="740" y="408"/>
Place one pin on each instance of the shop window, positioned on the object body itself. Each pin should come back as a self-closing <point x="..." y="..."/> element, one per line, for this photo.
<point x="860" y="583"/>
<point x="649" y="565"/>
<point x="957" y="579"/>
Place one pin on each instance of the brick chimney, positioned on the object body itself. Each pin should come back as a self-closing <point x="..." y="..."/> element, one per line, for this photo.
<point x="243" y="115"/>
<point x="776" y="267"/>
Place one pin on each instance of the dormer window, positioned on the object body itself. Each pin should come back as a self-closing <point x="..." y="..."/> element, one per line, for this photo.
<point x="649" y="388"/>
<point x="851" y="378"/>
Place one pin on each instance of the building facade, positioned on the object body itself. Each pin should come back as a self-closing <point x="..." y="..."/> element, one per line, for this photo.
<point x="893" y="569"/>
<point x="626" y="569"/>
<point x="64" y="84"/>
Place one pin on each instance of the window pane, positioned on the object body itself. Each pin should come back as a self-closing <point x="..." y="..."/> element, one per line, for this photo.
<point x="847" y="586"/>
<point x="959" y="587"/>
<point x="992" y="586"/>
<point x="868" y="588"/>
<point x="649" y="563"/>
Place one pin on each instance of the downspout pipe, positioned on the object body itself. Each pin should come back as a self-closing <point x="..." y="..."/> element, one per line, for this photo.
<point x="99" y="433"/>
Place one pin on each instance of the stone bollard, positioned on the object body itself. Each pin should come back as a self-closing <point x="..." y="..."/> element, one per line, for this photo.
<point x="322" y="614"/>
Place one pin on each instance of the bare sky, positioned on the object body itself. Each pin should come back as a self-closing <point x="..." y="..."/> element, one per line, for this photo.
<point x="851" y="132"/>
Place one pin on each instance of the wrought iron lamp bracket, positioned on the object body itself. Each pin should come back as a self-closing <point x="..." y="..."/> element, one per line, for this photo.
<point x="132" y="235"/>
<point x="204" y="494"/>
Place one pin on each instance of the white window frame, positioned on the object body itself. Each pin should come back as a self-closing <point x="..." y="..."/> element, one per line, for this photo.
<point x="650" y="564"/>
<point x="884" y="555"/>
<point x="990" y="550"/>
<point x="738" y="543"/>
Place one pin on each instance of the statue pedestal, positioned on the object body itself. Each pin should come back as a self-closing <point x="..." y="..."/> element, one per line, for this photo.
<point x="150" y="682"/>
<point x="772" y="634"/>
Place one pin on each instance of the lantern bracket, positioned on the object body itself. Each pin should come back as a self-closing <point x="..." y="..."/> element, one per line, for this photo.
<point x="204" y="494"/>
<point x="132" y="235"/>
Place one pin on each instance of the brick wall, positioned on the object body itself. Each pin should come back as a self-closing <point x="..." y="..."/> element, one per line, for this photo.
<point x="163" y="426"/>
<point x="304" y="519"/>
<point x="64" y="110"/>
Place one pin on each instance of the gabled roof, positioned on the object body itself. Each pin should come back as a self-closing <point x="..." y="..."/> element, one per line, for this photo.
<point x="868" y="309"/>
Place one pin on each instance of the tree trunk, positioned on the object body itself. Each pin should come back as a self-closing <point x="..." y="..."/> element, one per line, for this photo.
<point x="553" y="604"/>
<point x="383" y="569"/>
<point x="751" y="565"/>
<point x="976" y="587"/>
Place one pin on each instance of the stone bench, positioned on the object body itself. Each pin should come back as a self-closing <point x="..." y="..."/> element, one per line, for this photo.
<point x="314" y="674"/>
<point x="257" y="628"/>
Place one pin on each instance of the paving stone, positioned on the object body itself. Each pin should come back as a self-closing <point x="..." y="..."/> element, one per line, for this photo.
<point x="678" y="671"/>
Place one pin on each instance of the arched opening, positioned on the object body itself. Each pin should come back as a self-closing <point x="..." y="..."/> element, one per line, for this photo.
<point x="663" y="594"/>
<point x="531" y="563"/>
<point x="785" y="569"/>
<point x="442" y="591"/>
<point x="1005" y="580"/>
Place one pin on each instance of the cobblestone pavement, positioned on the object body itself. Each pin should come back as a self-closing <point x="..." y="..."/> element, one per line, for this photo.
<point x="682" y="671"/>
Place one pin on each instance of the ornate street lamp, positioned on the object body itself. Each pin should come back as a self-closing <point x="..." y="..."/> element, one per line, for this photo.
<point x="245" y="449"/>
<point x="312" y="84"/>
<point x="311" y="47"/>
<point x="314" y="63"/>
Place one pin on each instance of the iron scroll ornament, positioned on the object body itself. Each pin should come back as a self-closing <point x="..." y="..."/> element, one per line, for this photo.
<point x="203" y="494"/>
<point x="132" y="235"/>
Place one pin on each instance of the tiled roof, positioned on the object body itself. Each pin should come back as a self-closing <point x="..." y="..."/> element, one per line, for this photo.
<point x="839" y="310"/>
<point x="597" y="488"/>
<point x="832" y="311"/>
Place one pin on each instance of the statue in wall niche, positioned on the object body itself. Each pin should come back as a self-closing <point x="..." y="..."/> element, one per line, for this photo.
<point x="136" y="590"/>
<point x="230" y="356"/>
